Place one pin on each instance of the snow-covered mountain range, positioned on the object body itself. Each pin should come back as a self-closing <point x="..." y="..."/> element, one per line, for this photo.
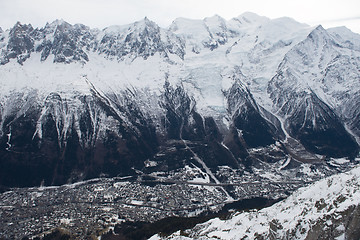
<point x="78" y="103"/>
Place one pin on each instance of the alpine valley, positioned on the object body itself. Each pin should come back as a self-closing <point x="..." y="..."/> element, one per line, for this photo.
<point x="97" y="125"/>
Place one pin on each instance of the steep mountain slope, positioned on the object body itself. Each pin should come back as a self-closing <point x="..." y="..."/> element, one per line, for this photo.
<point x="306" y="86"/>
<point x="78" y="102"/>
<point x="328" y="209"/>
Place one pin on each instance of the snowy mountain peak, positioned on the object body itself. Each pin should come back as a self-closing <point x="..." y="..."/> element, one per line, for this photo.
<point x="148" y="21"/>
<point x="186" y="27"/>
<point x="320" y="36"/>
<point x="344" y="32"/>
<point x="139" y="26"/>
<point x="20" y="44"/>
<point x="63" y="26"/>
<point x="50" y="28"/>
<point x="251" y="18"/>
<point x="20" y="29"/>
<point x="346" y="37"/>
<point x="141" y="39"/>
<point x="215" y="19"/>
<point x="289" y="24"/>
<point x="19" y="26"/>
<point x="57" y="22"/>
<point x="208" y="33"/>
<point x="144" y="25"/>
<point x="67" y="43"/>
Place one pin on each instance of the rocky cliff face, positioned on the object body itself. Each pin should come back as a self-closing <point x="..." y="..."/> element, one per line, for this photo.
<point x="78" y="102"/>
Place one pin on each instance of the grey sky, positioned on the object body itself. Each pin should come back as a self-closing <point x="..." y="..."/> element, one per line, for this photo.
<point x="103" y="13"/>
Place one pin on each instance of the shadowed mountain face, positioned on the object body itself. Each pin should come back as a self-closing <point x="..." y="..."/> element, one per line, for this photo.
<point x="79" y="103"/>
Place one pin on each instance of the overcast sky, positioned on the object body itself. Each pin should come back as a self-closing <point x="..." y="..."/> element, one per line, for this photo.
<point x="103" y="13"/>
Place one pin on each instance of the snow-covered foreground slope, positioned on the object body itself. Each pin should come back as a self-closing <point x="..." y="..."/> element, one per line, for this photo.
<point x="327" y="209"/>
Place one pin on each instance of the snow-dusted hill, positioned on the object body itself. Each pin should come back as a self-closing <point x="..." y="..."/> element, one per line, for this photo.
<point x="77" y="102"/>
<point x="328" y="209"/>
